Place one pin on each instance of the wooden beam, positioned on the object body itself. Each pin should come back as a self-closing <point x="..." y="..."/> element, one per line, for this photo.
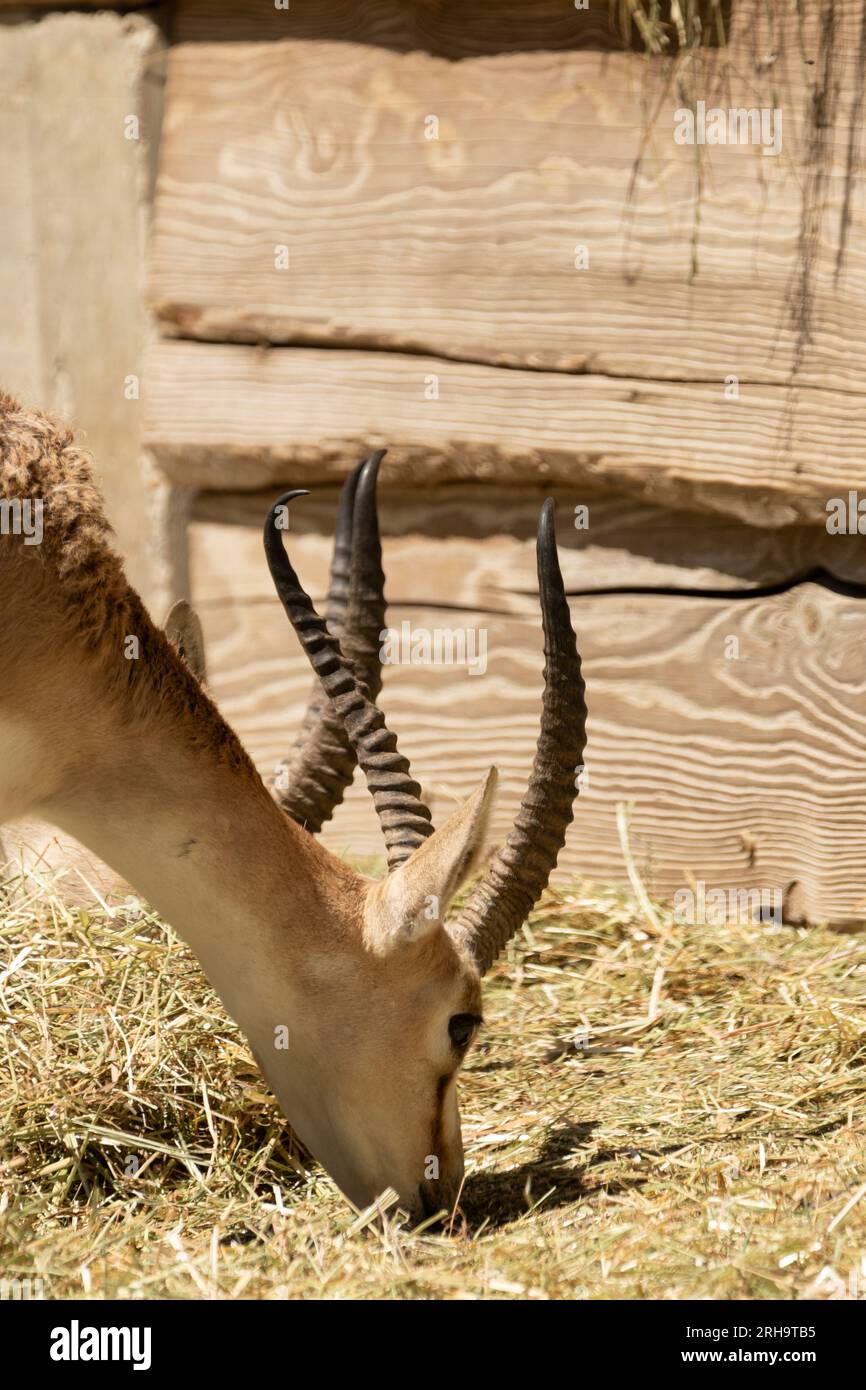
<point x="230" y="417"/>
<point x="702" y="262"/>
<point x="24" y="7"/>
<point x="473" y="546"/>
<point x="73" y="237"/>
<point x="454" y="29"/>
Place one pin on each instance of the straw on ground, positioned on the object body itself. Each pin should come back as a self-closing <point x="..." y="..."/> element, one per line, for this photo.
<point x="667" y="1115"/>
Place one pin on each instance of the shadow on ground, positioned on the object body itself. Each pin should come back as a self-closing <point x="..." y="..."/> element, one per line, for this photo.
<point x="495" y="1200"/>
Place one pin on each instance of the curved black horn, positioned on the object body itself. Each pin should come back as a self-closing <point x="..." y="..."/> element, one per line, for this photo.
<point x="518" y="874"/>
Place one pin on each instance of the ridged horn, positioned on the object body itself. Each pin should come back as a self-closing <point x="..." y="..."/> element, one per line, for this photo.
<point x="321" y="765"/>
<point x="518" y="874"/>
<point x="404" y="818"/>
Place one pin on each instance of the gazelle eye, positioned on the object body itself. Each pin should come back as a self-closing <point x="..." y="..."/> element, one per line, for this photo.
<point x="460" y="1029"/>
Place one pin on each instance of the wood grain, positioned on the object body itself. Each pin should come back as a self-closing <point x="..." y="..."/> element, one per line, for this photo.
<point x="233" y="417"/>
<point x="23" y="6"/>
<point x="743" y="772"/>
<point x="454" y="29"/>
<point x="464" y="246"/>
<point x="473" y="547"/>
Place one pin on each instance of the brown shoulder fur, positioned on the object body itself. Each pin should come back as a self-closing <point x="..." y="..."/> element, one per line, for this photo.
<point x="86" y="587"/>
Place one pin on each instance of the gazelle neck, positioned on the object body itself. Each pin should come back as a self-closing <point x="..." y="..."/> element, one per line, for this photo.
<point x="201" y="839"/>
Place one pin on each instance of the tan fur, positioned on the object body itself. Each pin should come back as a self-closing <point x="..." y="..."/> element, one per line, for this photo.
<point x="91" y="600"/>
<point x="132" y="758"/>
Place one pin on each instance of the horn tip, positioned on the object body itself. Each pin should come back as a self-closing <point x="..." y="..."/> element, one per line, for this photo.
<point x="290" y="496"/>
<point x="271" y="531"/>
<point x="546" y="541"/>
<point x="369" y="469"/>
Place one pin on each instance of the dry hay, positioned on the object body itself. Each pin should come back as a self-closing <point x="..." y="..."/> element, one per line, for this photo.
<point x="654" y="1111"/>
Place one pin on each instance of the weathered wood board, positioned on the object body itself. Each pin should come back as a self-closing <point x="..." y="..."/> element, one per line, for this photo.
<point x="301" y="200"/>
<point x="473" y="545"/>
<point x="72" y="236"/>
<point x="449" y="28"/>
<point x="507" y="270"/>
<point x="736" y="728"/>
<point x="235" y="417"/>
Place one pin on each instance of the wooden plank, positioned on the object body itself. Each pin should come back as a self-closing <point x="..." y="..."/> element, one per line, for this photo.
<point x="473" y="547"/>
<point x="454" y="29"/>
<point x="222" y="416"/>
<point x="744" y="771"/>
<point x="464" y="245"/>
<point x="72" y="238"/>
<point x="24" y="6"/>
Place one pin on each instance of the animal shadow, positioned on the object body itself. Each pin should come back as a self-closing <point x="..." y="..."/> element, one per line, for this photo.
<point x="495" y="1200"/>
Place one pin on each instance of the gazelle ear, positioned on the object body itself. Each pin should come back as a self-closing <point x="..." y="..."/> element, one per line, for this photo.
<point x="411" y="902"/>
<point x="183" y="630"/>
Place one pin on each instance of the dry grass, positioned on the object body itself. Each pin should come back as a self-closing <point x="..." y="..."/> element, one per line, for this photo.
<point x="675" y="1114"/>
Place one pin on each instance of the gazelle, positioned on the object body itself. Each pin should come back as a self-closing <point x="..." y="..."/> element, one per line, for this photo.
<point x="108" y="734"/>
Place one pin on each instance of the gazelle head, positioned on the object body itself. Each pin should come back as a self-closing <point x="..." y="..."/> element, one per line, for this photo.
<point x="390" y="1002"/>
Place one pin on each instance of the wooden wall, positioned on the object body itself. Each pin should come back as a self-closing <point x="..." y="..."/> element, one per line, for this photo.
<point x="736" y="726"/>
<point x="551" y="294"/>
